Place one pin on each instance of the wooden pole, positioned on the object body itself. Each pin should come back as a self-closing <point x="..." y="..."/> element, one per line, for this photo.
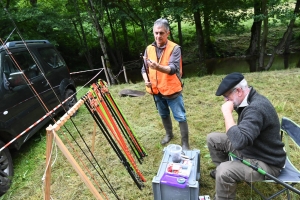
<point x="125" y="75"/>
<point x="105" y="70"/>
<point x="77" y="168"/>
<point x="67" y="115"/>
<point x="49" y="139"/>
<point x="51" y="131"/>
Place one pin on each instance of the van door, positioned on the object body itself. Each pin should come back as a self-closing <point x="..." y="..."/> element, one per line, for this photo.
<point x="22" y="101"/>
<point x="56" y="72"/>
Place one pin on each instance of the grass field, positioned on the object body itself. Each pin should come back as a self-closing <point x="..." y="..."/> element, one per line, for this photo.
<point x="204" y="115"/>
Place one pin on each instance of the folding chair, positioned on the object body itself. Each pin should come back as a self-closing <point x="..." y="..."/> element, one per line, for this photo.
<point x="289" y="175"/>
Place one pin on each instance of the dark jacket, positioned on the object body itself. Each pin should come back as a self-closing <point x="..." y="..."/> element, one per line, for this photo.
<point x="257" y="134"/>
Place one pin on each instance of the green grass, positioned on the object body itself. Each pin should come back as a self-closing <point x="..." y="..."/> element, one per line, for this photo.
<point x="203" y="110"/>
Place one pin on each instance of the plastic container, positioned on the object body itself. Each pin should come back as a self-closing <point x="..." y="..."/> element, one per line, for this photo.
<point x="175" y="152"/>
<point x="167" y="187"/>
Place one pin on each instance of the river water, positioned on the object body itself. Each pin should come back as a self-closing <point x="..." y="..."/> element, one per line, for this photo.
<point x="217" y="66"/>
<point x="239" y="64"/>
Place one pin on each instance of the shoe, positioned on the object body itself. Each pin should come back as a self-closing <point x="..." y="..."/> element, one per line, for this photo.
<point x="213" y="174"/>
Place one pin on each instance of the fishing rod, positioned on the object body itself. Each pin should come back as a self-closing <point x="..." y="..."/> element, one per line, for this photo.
<point x="48" y="113"/>
<point x="92" y="111"/>
<point x="121" y="119"/>
<point x="92" y="107"/>
<point x="33" y="90"/>
<point x="121" y="115"/>
<point x="35" y="61"/>
<point x="95" y="166"/>
<point x="148" y="79"/>
<point x="36" y="94"/>
<point x="34" y="124"/>
<point x="261" y="171"/>
<point x="136" y="153"/>
<point x="105" y="113"/>
<point x="113" y="128"/>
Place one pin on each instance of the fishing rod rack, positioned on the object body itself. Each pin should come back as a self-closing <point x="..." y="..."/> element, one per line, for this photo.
<point x="109" y="118"/>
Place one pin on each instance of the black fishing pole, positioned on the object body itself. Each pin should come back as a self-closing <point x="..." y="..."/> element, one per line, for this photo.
<point x="113" y="144"/>
<point x="122" y="117"/>
<point x="121" y="126"/>
<point x="148" y="79"/>
<point x="104" y="112"/>
<point x="261" y="171"/>
<point x="122" y="122"/>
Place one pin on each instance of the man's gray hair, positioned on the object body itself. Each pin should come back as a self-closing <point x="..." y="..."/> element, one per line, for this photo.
<point x="243" y="84"/>
<point x="162" y="22"/>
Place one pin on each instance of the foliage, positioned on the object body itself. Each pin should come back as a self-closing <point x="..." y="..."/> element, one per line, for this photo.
<point x="127" y="25"/>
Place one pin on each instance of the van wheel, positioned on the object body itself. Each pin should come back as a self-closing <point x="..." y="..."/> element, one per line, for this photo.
<point x="6" y="169"/>
<point x="71" y="102"/>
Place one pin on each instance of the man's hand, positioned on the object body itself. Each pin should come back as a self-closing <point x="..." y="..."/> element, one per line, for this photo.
<point x="148" y="84"/>
<point x="227" y="109"/>
<point x="156" y="66"/>
<point x="152" y="64"/>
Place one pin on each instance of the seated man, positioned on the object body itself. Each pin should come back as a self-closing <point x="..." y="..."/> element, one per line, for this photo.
<point x="255" y="137"/>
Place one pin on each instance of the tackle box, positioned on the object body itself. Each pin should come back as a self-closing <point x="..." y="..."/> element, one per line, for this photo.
<point x="167" y="187"/>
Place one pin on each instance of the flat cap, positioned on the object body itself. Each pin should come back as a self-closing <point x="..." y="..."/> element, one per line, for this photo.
<point x="229" y="82"/>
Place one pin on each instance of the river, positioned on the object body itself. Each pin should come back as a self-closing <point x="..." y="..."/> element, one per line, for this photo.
<point x="216" y="66"/>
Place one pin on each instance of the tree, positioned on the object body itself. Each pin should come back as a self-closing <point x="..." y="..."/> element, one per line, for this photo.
<point x="95" y="20"/>
<point x="77" y="21"/>
<point x="264" y="11"/>
<point x="283" y="45"/>
<point x="200" y="36"/>
<point x="175" y="12"/>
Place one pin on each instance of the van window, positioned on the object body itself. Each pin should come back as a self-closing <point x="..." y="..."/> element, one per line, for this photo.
<point x="12" y="76"/>
<point x="8" y="66"/>
<point x="51" y="57"/>
<point x="26" y="63"/>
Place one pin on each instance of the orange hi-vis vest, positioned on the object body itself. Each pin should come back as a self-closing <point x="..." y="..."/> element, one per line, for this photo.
<point x="161" y="82"/>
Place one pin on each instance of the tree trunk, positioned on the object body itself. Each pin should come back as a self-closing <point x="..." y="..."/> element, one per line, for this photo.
<point x="82" y="37"/>
<point x="265" y="35"/>
<point x="7" y="4"/>
<point x="171" y="35"/>
<point x="93" y="16"/>
<point x="210" y="51"/>
<point x="113" y="35"/>
<point x="179" y="30"/>
<point x="282" y="45"/>
<point x="127" y="8"/>
<point x="33" y="3"/>
<point x="252" y="63"/>
<point x="255" y="32"/>
<point x="86" y="51"/>
<point x="200" y="40"/>
<point x="125" y="36"/>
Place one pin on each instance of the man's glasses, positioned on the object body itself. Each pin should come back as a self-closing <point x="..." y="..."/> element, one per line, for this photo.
<point x="227" y="96"/>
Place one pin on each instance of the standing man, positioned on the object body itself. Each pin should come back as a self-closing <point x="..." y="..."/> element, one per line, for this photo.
<point x="255" y="137"/>
<point x="164" y="68"/>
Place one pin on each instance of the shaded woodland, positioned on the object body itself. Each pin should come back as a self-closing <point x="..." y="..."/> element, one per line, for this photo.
<point x="119" y="30"/>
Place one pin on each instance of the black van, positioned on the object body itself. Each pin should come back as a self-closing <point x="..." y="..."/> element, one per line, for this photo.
<point x="34" y="79"/>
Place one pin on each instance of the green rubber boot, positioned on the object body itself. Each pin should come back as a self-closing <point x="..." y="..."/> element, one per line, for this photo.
<point x="184" y="131"/>
<point x="167" y="122"/>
